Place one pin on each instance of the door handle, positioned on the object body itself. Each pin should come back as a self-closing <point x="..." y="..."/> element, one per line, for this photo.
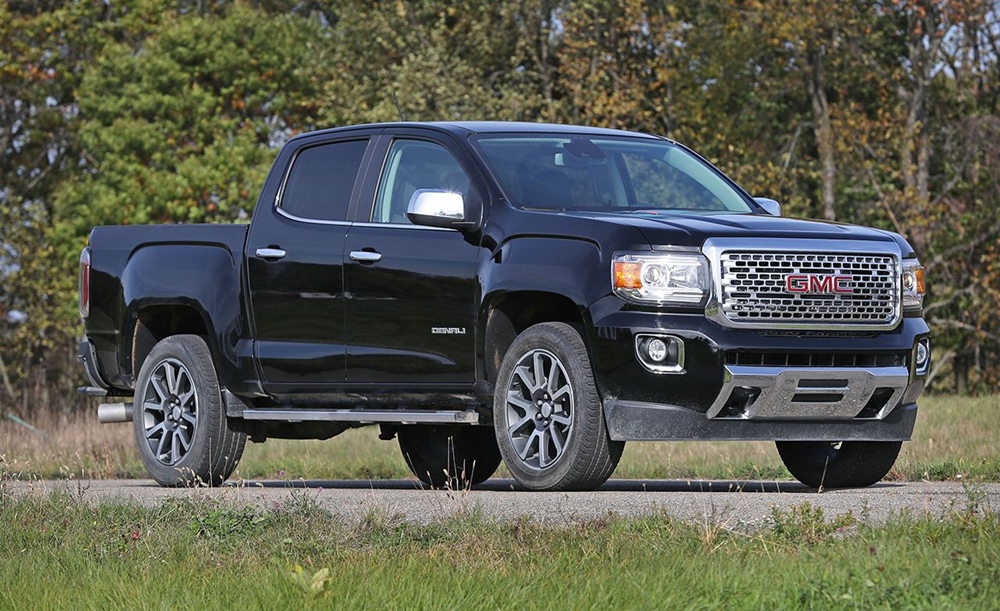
<point x="270" y="253"/>
<point x="366" y="256"/>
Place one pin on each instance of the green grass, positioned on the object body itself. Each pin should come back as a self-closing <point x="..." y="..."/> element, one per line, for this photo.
<point x="955" y="438"/>
<point x="63" y="553"/>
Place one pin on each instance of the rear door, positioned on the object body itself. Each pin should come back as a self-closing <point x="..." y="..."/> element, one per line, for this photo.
<point x="294" y="256"/>
<point x="411" y="290"/>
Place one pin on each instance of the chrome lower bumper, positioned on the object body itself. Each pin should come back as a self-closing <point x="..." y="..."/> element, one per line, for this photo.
<point x="814" y="393"/>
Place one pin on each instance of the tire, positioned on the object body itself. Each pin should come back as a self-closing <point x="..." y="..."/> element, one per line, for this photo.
<point x="449" y="457"/>
<point x="848" y="464"/>
<point x="547" y="415"/>
<point x="179" y="419"/>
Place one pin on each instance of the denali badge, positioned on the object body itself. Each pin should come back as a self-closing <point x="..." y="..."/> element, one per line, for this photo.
<point x="817" y="283"/>
<point x="447" y="330"/>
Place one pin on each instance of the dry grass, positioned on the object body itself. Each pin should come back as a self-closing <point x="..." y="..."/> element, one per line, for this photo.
<point x="955" y="438"/>
<point x="74" y="445"/>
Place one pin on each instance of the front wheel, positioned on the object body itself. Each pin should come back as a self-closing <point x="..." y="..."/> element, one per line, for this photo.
<point x="547" y="414"/>
<point x="179" y="419"/>
<point x="847" y="464"/>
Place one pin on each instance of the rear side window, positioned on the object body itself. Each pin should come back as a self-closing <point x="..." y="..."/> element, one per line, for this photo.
<point x="321" y="180"/>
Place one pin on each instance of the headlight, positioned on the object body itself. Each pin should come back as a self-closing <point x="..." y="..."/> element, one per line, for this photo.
<point x="913" y="285"/>
<point x="661" y="278"/>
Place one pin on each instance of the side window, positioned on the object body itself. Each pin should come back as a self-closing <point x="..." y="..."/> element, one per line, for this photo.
<point x="322" y="178"/>
<point x="413" y="165"/>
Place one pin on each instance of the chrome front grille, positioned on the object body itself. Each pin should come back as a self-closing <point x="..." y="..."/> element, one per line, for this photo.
<point x="809" y="290"/>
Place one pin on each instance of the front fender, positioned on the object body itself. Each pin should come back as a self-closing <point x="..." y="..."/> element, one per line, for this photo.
<point x="565" y="266"/>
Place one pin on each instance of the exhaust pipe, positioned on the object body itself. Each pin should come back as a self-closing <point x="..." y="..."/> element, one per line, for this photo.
<point x="114" y="412"/>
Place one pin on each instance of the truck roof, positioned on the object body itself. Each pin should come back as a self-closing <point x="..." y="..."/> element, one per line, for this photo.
<point x="465" y="128"/>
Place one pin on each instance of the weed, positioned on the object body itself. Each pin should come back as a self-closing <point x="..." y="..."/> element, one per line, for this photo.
<point x="224" y="522"/>
<point x="807" y="524"/>
<point x="977" y="497"/>
<point x="314" y="585"/>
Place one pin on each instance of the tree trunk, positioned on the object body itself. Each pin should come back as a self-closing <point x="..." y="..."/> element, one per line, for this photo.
<point x="824" y="136"/>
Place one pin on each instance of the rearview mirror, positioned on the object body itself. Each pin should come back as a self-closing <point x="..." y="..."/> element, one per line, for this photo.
<point x="437" y="208"/>
<point x="770" y="206"/>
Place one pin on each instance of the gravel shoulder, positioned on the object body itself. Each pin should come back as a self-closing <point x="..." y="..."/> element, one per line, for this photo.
<point x="730" y="504"/>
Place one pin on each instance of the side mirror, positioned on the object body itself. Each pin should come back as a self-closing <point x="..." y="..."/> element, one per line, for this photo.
<point x="438" y="208"/>
<point x="770" y="206"/>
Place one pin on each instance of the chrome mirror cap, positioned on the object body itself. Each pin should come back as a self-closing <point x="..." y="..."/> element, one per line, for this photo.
<point x="436" y="208"/>
<point x="770" y="206"/>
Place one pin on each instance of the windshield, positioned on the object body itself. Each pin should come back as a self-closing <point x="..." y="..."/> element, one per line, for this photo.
<point x="607" y="174"/>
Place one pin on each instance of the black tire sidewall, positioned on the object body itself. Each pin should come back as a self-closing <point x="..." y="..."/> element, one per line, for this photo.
<point x="469" y="458"/>
<point x="856" y="464"/>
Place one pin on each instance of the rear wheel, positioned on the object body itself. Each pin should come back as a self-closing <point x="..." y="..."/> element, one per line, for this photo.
<point x="450" y="457"/>
<point x="179" y="419"/>
<point x="547" y="414"/>
<point x="847" y="464"/>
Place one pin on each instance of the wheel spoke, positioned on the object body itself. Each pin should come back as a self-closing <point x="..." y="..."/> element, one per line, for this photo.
<point x="517" y="400"/>
<point x="153" y="407"/>
<point x="553" y="379"/>
<point x="526" y="450"/>
<point x="513" y="429"/>
<point x="187" y="399"/>
<point x="190" y="418"/>
<point x="184" y="438"/>
<point x="161" y="447"/>
<point x="184" y="386"/>
<point x="539" y="370"/>
<point x="543" y="449"/>
<point x="157" y="383"/>
<point x="171" y="373"/>
<point x="175" y="449"/>
<point x="153" y="430"/>
<point x="557" y="439"/>
<point x="525" y="375"/>
<point x="563" y="390"/>
<point x="566" y="421"/>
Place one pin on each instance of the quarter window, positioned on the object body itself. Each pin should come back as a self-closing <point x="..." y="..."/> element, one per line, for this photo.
<point x="321" y="180"/>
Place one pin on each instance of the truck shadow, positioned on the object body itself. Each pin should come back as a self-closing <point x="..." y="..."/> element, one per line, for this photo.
<point x="508" y="485"/>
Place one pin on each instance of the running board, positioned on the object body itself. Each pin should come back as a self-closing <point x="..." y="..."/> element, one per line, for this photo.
<point x="364" y="416"/>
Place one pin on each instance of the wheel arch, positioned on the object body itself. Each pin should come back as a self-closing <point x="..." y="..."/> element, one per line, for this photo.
<point x="509" y="314"/>
<point x="198" y="293"/>
<point x="155" y="323"/>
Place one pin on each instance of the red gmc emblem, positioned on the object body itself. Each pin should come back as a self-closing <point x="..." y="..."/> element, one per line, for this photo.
<point x="816" y="283"/>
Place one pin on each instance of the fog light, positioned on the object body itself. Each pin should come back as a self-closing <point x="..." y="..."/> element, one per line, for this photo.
<point x="923" y="354"/>
<point x="656" y="349"/>
<point x="660" y="353"/>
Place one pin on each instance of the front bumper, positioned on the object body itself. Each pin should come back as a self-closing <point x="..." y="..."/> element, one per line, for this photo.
<point x="756" y="384"/>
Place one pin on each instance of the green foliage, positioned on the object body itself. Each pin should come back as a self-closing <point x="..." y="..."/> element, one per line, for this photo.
<point x="149" y="111"/>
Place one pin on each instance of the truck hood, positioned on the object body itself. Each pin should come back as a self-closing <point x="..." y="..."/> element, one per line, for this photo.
<point x="694" y="229"/>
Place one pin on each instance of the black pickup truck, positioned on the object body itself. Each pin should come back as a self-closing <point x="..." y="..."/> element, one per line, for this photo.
<point x="537" y="294"/>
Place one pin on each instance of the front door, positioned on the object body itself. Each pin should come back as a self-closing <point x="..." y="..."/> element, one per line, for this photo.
<point x="411" y="291"/>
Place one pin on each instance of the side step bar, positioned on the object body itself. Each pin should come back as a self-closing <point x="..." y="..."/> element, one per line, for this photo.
<point x="365" y="416"/>
<point x="122" y="412"/>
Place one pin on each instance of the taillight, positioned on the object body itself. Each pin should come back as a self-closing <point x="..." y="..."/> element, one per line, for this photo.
<point x="83" y="285"/>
